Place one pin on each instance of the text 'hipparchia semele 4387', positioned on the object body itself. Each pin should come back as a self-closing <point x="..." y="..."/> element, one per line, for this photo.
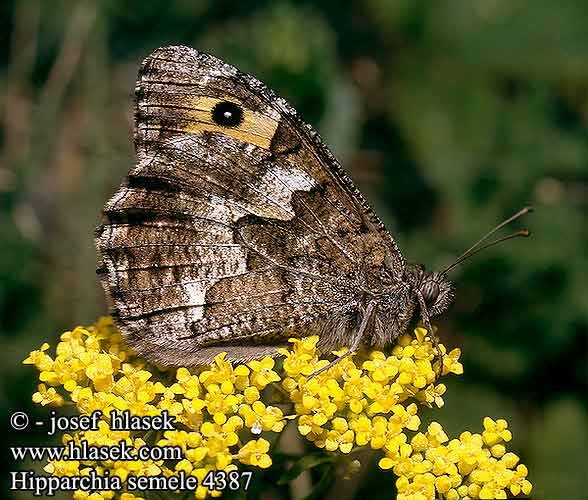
<point x="238" y="229"/>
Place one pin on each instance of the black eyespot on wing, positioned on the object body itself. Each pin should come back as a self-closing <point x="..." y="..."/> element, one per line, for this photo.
<point x="227" y="114"/>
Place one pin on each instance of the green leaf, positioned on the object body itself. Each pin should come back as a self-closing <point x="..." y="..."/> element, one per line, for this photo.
<point x="305" y="463"/>
<point x="325" y="482"/>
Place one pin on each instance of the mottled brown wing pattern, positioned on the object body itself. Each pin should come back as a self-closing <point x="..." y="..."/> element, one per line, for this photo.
<point x="230" y="237"/>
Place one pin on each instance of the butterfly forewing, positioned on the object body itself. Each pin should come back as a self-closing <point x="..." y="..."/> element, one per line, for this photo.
<point x="237" y="228"/>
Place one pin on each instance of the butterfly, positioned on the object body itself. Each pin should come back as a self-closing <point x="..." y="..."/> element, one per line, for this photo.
<point x="238" y="229"/>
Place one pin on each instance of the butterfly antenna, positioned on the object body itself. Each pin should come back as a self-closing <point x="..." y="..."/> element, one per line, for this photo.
<point x="475" y="248"/>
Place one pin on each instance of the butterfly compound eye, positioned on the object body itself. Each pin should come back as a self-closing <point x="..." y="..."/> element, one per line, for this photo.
<point x="430" y="291"/>
<point x="227" y="114"/>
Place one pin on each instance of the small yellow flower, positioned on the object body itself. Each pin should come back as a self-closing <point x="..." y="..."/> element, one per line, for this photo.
<point x="422" y="487"/>
<point x="63" y="467"/>
<point x="130" y="496"/>
<point x="220" y="371"/>
<point x="436" y="435"/>
<point x="189" y="384"/>
<point x="47" y="396"/>
<point x="381" y="368"/>
<point x="433" y="394"/>
<point x="168" y="402"/>
<point x="259" y="417"/>
<point x="100" y="370"/>
<point x="495" y="431"/>
<point x="309" y="428"/>
<point x="42" y="361"/>
<point x="300" y="360"/>
<point x="341" y="437"/>
<point x="255" y="453"/>
<point x="519" y="483"/>
<point x="251" y="394"/>
<point x="262" y="372"/>
<point x="218" y="401"/>
<point x="451" y="362"/>
<point x="362" y="426"/>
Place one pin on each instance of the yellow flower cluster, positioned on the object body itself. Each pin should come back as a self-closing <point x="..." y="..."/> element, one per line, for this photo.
<point x="222" y="412"/>
<point x="375" y="404"/>
<point x="212" y="409"/>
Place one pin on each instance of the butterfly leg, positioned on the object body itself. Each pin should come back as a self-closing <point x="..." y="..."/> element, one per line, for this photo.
<point x="427" y="322"/>
<point x="369" y="312"/>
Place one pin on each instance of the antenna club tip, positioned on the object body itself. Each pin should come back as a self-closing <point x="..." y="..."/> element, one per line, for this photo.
<point x="529" y="209"/>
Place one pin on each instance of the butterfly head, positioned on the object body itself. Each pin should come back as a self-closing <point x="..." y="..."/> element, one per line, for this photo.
<point x="437" y="291"/>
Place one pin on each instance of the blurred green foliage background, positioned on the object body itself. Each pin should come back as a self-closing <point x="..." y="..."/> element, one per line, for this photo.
<point x="450" y="116"/>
